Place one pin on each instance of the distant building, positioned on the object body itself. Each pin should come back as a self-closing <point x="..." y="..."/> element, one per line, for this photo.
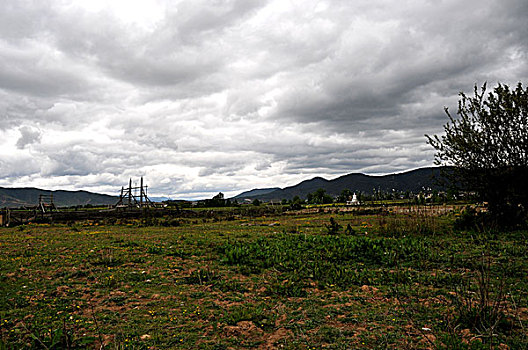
<point x="354" y="200"/>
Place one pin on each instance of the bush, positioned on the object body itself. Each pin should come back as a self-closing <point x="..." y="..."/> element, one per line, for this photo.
<point x="333" y="228"/>
<point x="480" y="303"/>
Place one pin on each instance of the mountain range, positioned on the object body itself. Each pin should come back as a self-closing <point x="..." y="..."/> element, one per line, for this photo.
<point x="422" y="179"/>
<point x="29" y="197"/>
<point x="417" y="180"/>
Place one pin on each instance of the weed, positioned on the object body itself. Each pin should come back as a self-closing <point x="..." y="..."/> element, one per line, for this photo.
<point x="248" y="312"/>
<point x="106" y="258"/>
<point x="177" y="252"/>
<point x="75" y="227"/>
<point x="349" y="230"/>
<point x="61" y="337"/>
<point x="202" y="276"/>
<point x="287" y="288"/>
<point x="480" y="302"/>
<point x="230" y="286"/>
<point x="155" y="250"/>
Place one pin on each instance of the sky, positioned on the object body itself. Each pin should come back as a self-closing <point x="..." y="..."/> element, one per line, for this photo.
<point x="205" y="96"/>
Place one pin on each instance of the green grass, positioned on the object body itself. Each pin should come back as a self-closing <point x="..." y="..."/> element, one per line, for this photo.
<point x="402" y="280"/>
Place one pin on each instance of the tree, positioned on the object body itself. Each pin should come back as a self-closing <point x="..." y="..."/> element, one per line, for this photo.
<point x="216" y="201"/>
<point x="319" y="197"/>
<point x="296" y="203"/>
<point x="487" y="149"/>
<point x="345" y="196"/>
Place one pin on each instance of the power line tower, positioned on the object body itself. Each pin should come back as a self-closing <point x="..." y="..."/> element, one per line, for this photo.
<point x="134" y="196"/>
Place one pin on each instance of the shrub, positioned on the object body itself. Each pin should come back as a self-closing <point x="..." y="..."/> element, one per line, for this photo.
<point x="333" y="228"/>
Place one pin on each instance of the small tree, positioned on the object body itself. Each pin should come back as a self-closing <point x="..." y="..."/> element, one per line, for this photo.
<point x="487" y="147"/>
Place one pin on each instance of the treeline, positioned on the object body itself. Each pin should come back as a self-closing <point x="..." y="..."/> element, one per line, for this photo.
<point x="320" y="196"/>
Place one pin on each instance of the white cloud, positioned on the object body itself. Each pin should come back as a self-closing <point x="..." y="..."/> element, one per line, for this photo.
<point x="201" y="96"/>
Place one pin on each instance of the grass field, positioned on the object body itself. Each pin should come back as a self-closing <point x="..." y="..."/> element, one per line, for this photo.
<point x="362" y="280"/>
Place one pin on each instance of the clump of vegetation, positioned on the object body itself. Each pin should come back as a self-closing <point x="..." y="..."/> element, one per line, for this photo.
<point x="319" y="197"/>
<point x="485" y="148"/>
<point x="349" y="230"/>
<point x="333" y="228"/>
<point x="287" y="288"/>
<point x="162" y="221"/>
<point x="202" y="276"/>
<point x="470" y="219"/>
<point x="296" y="203"/>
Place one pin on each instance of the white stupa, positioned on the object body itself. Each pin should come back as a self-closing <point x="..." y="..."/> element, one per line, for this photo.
<point x="354" y="200"/>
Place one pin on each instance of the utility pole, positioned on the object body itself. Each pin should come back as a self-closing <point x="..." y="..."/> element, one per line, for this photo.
<point x="130" y="192"/>
<point x="141" y="193"/>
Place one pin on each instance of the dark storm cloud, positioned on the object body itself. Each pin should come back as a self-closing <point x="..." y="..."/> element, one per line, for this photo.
<point x="400" y="66"/>
<point x="203" y="96"/>
<point x="183" y="48"/>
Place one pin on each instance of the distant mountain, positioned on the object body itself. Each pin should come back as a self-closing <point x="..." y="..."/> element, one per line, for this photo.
<point x="18" y="197"/>
<point x="412" y="181"/>
<point x="256" y="192"/>
<point x="159" y="199"/>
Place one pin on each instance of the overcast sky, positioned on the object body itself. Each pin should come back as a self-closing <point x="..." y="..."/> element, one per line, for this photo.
<point x="202" y="96"/>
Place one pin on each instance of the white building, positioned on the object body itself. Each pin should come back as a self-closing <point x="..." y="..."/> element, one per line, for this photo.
<point x="354" y="200"/>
